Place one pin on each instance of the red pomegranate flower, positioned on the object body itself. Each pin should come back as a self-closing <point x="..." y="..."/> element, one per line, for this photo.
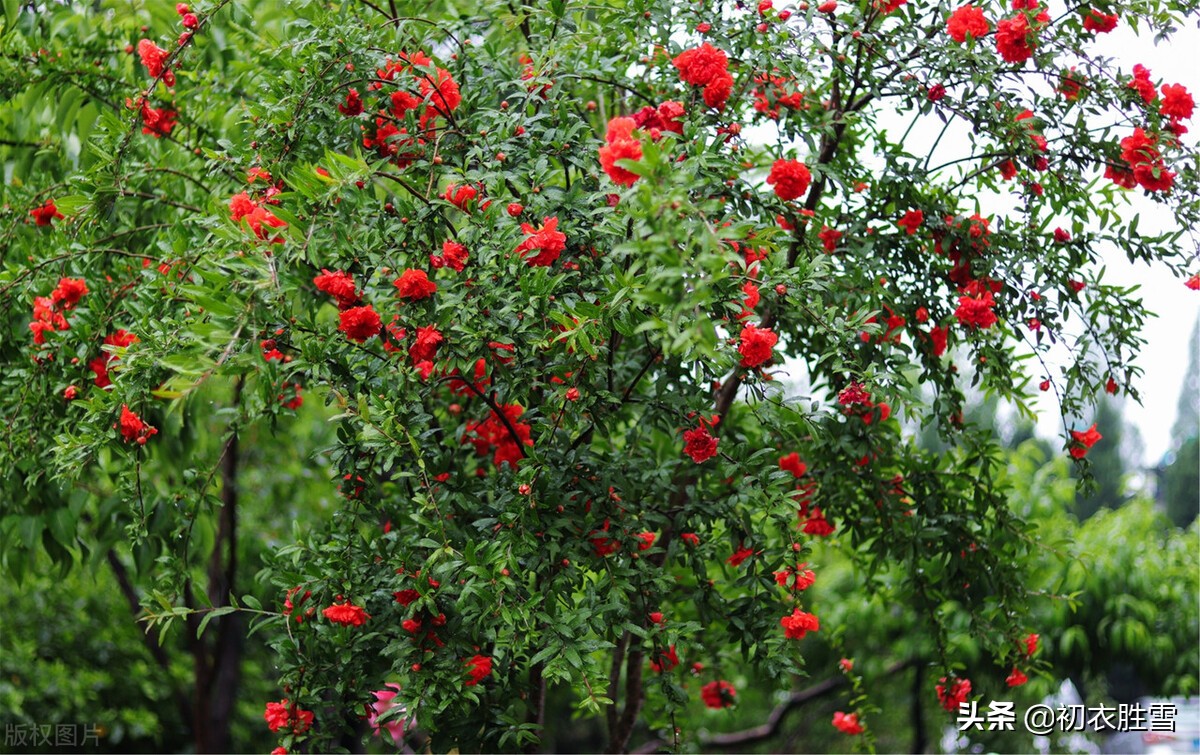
<point x="546" y="239"/>
<point x="799" y="624"/>
<point x="479" y="667"/>
<point x="847" y="723"/>
<point x="621" y="145"/>
<point x="699" y="444"/>
<point x="1099" y="22"/>
<point x="46" y="213"/>
<point x="708" y="67"/>
<point x="1083" y="440"/>
<point x="152" y="57"/>
<point x="718" y="694"/>
<point x="454" y="256"/>
<point x="1015" y="39"/>
<point x="360" y="323"/>
<point x="790" y="179"/>
<point x="346" y="613"/>
<point x="133" y="429"/>
<point x="338" y="284"/>
<point x="952" y="695"/>
<point x="756" y="345"/>
<point x="967" y="21"/>
<point x="414" y="285"/>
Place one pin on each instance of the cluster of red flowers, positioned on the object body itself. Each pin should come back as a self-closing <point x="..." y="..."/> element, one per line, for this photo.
<point x="414" y="285"/>
<point x="975" y="306"/>
<point x="346" y="613"/>
<point x="360" y="323"/>
<point x="812" y="519"/>
<point x="436" y="95"/>
<point x="463" y="197"/>
<point x="154" y="58"/>
<point x="494" y="435"/>
<point x="1142" y="164"/>
<point x="1177" y="104"/>
<point x="156" y="122"/>
<point x="620" y="144"/>
<point x="911" y="222"/>
<point x="424" y="346"/>
<point x="708" y="67"/>
<point x="440" y="90"/>
<point x="666" y="661"/>
<point x="1099" y="22"/>
<point x="665" y="117"/>
<point x="891" y="333"/>
<point x="853" y="394"/>
<point x="1016" y="37"/>
<point x="961" y="240"/>
<point x="829" y="237"/>
<point x="242" y="207"/>
<point x="454" y="256"/>
<point x="48" y="310"/>
<point x="801" y="578"/>
<point x="740" y="555"/>
<point x="285" y="715"/>
<point x="773" y="92"/>
<point x="338" y="284"/>
<point x="289" y="608"/>
<point x="1143" y="85"/>
<point x="132" y="428"/>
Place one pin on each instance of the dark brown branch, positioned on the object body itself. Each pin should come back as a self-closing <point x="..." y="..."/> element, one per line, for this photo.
<point x="537" y="703"/>
<point x="634" y="698"/>
<point x="917" y="716"/>
<point x="741" y="740"/>
<point x="491" y="402"/>
<point x="614" y="680"/>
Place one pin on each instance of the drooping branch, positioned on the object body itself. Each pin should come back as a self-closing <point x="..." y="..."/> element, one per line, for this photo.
<point x="150" y="638"/>
<point x="740" y="740"/>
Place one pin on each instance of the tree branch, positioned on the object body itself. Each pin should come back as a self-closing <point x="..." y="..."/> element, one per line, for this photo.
<point x="740" y="740"/>
<point x="614" y="679"/>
